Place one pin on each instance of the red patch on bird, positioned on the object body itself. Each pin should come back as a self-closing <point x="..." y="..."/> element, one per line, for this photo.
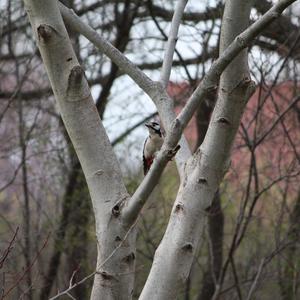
<point x="147" y="164"/>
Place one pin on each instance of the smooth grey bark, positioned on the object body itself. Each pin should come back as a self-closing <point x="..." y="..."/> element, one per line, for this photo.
<point x="214" y="262"/>
<point x="114" y="278"/>
<point x="215" y="230"/>
<point x="115" y="212"/>
<point x="204" y="171"/>
<point x="231" y="93"/>
<point x="70" y="235"/>
<point x="155" y="90"/>
<point x="164" y="104"/>
<point x="170" y="47"/>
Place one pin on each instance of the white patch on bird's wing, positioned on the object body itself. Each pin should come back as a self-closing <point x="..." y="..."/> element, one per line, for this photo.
<point x="152" y="145"/>
<point x="156" y="126"/>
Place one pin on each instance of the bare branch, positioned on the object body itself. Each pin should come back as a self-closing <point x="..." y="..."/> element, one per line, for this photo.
<point x="99" y="267"/>
<point x="153" y="89"/>
<point x="209" y="83"/>
<point x="280" y="117"/>
<point x="253" y="286"/>
<point x="99" y="163"/>
<point x="139" y="77"/>
<point x="132" y="128"/>
<point x="23" y="274"/>
<point x="8" y="249"/>
<point x="170" y="47"/>
<point x="242" y="41"/>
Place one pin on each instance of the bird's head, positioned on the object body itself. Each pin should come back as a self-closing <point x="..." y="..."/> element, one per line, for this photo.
<point x="154" y="128"/>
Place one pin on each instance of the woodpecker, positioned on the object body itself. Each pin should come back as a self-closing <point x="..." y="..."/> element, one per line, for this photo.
<point x="152" y="144"/>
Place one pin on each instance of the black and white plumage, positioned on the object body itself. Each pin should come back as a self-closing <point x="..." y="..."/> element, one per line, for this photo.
<point x="152" y="144"/>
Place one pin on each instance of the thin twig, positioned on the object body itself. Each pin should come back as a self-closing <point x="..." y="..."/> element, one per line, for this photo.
<point x="72" y="286"/>
<point x="260" y="268"/>
<point x="21" y="277"/>
<point x="9" y="248"/>
<point x="129" y="130"/>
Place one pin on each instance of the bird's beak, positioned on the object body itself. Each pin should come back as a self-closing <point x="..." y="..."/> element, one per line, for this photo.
<point x="148" y="125"/>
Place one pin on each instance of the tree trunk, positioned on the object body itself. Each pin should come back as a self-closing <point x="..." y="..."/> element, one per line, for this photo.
<point x="214" y="263"/>
<point x="203" y="172"/>
<point x="114" y="278"/>
<point x="115" y="212"/>
<point x="74" y="198"/>
<point x="215" y="215"/>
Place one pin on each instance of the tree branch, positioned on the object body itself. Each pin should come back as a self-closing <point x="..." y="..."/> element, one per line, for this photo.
<point x="139" y="77"/>
<point x="209" y="83"/>
<point x="153" y="89"/>
<point x="8" y="248"/>
<point x="88" y="136"/>
<point x="170" y="47"/>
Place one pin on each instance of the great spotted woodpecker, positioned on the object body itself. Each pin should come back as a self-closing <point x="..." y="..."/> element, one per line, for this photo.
<point x="152" y="144"/>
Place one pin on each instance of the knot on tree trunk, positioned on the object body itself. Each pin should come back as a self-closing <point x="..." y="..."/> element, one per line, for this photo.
<point x="78" y="88"/>
<point x="44" y="32"/>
